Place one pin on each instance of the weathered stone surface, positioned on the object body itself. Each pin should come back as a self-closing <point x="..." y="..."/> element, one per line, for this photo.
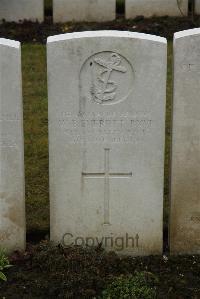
<point x="185" y="187"/>
<point x="149" y="8"/>
<point x="197" y="7"/>
<point x="20" y="10"/>
<point x="84" y="10"/>
<point x="12" y="210"/>
<point x="106" y="132"/>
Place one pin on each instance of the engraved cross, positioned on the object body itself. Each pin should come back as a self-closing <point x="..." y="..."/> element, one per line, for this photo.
<point x="107" y="175"/>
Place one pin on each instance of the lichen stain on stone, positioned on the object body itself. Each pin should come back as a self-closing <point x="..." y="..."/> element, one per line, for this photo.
<point x="2" y="195"/>
<point x="14" y="212"/>
<point x="5" y="235"/>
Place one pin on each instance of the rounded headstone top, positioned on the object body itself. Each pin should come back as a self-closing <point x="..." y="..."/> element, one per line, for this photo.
<point x="9" y="43"/>
<point x="186" y="33"/>
<point x="106" y="33"/>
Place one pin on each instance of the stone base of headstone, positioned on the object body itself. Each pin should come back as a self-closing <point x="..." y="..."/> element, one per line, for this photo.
<point x="150" y="8"/>
<point x="21" y="10"/>
<point x="84" y="10"/>
<point x="197" y="7"/>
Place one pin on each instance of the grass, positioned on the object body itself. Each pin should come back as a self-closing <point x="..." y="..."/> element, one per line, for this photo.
<point x="4" y="264"/>
<point x="141" y="285"/>
<point x="168" y="134"/>
<point x="36" y="135"/>
<point x="48" y="4"/>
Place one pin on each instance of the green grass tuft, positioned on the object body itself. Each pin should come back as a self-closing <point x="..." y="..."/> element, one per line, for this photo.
<point x="138" y="286"/>
<point x="36" y="136"/>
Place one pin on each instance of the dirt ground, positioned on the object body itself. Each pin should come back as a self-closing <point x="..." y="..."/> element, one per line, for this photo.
<point x="46" y="271"/>
<point x="33" y="32"/>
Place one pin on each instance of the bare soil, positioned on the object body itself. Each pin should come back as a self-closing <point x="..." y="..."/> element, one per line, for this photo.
<point x="47" y="271"/>
<point x="35" y="32"/>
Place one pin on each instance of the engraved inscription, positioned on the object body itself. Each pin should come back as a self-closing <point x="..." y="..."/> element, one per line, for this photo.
<point x="106" y="78"/>
<point x="195" y="218"/>
<point x="106" y="175"/>
<point x="6" y="142"/>
<point x="191" y="67"/>
<point x="9" y="117"/>
<point x="94" y="128"/>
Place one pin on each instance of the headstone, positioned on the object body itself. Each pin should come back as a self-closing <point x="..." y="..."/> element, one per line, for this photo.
<point x="12" y="209"/>
<point x="197" y="7"/>
<point x="84" y="10"/>
<point x="149" y="8"/>
<point x="185" y="187"/>
<point x="106" y="131"/>
<point x="20" y="10"/>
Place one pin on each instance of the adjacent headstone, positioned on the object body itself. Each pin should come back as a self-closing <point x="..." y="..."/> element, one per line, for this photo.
<point x="185" y="187"/>
<point x="197" y="7"/>
<point x="149" y="8"/>
<point x="12" y="209"/>
<point x="20" y="10"/>
<point x="84" y="10"/>
<point x="106" y="132"/>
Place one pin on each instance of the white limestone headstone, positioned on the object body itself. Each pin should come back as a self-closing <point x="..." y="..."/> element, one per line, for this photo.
<point x="106" y="134"/>
<point x="149" y="8"/>
<point x="84" y="10"/>
<point x="20" y="10"/>
<point x="12" y="204"/>
<point x="185" y="176"/>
